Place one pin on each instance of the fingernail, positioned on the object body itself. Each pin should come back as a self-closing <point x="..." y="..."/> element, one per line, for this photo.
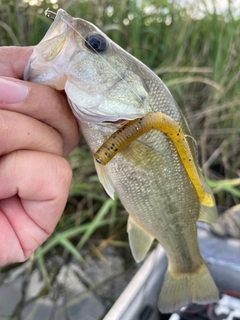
<point x="12" y="91"/>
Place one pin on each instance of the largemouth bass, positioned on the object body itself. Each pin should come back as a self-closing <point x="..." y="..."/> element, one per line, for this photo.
<point x="106" y="87"/>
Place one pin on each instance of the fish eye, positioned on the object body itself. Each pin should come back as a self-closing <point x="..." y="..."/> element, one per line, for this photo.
<point x="96" y="42"/>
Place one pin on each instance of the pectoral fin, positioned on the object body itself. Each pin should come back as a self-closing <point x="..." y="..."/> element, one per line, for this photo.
<point x="105" y="179"/>
<point x="140" y="241"/>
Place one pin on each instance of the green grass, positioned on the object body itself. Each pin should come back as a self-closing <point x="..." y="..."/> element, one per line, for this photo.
<point x="198" y="59"/>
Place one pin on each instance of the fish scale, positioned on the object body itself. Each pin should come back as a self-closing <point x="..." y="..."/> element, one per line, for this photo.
<point x="110" y="87"/>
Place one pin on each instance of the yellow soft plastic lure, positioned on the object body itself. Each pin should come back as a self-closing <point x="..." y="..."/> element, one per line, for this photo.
<point x="133" y="129"/>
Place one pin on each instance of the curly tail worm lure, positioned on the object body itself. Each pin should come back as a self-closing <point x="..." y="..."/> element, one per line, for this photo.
<point x="133" y="129"/>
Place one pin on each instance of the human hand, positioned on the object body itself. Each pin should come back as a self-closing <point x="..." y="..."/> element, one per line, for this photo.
<point x="37" y="129"/>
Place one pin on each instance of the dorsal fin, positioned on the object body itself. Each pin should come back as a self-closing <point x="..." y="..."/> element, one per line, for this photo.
<point x="207" y="214"/>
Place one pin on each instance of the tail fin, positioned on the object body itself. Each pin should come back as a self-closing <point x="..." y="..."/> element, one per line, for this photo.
<point x="181" y="289"/>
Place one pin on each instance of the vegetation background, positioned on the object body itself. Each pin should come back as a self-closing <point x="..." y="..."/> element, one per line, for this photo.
<point x="195" y="49"/>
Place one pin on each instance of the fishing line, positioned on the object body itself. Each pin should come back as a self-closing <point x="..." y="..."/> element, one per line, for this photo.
<point x="51" y="15"/>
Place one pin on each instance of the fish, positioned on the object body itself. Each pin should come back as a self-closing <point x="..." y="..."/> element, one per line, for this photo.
<point x="109" y="92"/>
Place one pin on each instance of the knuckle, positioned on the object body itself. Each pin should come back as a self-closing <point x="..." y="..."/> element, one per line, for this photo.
<point x="63" y="171"/>
<point x="6" y="130"/>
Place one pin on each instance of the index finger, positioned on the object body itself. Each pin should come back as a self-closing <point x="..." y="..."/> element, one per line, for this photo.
<point x="42" y="102"/>
<point x="13" y="61"/>
<point x="47" y="105"/>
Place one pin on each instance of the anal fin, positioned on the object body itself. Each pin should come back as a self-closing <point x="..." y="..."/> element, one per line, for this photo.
<point x="140" y="241"/>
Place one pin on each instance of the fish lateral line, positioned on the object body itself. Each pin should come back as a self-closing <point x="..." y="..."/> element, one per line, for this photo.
<point x="134" y="129"/>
